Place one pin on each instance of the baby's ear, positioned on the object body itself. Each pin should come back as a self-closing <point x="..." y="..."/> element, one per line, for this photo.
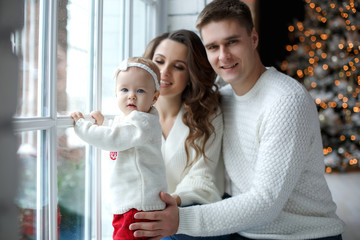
<point x="156" y="96"/>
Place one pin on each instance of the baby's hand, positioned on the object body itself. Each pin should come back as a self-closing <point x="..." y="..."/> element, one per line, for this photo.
<point x="99" y="118"/>
<point x="76" y="116"/>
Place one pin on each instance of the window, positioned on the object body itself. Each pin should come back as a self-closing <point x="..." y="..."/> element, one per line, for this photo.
<point x="68" y="50"/>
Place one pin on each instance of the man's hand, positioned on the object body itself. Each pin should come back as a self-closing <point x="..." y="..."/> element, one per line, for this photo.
<point x="163" y="223"/>
<point x="76" y="116"/>
<point x="99" y="118"/>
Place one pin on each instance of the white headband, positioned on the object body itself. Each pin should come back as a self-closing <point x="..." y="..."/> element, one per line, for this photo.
<point x="124" y="65"/>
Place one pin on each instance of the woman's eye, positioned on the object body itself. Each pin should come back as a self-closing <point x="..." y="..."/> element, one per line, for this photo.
<point x="179" y="67"/>
<point x="140" y="91"/>
<point x="158" y="61"/>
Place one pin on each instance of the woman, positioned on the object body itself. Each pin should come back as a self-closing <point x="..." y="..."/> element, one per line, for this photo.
<point x="190" y="118"/>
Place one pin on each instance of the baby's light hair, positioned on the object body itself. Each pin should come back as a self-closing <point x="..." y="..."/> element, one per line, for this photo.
<point x="147" y="63"/>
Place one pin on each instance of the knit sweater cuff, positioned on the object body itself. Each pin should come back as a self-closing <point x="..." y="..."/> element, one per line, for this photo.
<point x="186" y="199"/>
<point x="186" y="221"/>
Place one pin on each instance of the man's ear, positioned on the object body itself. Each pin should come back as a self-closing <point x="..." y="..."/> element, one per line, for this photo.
<point x="254" y="38"/>
<point x="156" y="96"/>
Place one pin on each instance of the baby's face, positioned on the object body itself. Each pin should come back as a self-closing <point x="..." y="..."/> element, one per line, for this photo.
<point x="135" y="90"/>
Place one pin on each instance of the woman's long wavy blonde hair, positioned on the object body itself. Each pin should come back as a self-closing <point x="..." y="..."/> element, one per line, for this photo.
<point x="201" y="97"/>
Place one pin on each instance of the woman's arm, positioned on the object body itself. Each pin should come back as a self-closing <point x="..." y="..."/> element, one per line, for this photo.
<point x="198" y="185"/>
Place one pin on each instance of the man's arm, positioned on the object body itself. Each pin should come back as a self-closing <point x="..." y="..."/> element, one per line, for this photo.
<point x="280" y="161"/>
<point x="165" y="222"/>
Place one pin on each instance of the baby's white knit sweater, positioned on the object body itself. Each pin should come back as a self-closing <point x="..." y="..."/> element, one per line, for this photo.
<point x="273" y="155"/>
<point x="138" y="174"/>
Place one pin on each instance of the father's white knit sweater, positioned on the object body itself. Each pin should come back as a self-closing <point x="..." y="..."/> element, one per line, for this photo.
<point x="138" y="174"/>
<point x="273" y="155"/>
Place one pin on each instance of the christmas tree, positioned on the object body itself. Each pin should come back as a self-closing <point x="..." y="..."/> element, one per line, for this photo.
<point x="324" y="56"/>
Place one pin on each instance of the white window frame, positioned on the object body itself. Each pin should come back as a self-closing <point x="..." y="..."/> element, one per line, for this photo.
<point x="156" y="24"/>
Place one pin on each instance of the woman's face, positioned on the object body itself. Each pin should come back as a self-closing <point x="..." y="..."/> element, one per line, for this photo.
<point x="171" y="58"/>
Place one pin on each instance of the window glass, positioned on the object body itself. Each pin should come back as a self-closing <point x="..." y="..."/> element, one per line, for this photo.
<point x="74" y="160"/>
<point x="73" y="59"/>
<point x="32" y="200"/>
<point x="28" y="48"/>
<point x="139" y="28"/>
<point x="112" y="51"/>
<point x="74" y="56"/>
<point x="71" y="154"/>
<point x="107" y="215"/>
<point x="113" y="37"/>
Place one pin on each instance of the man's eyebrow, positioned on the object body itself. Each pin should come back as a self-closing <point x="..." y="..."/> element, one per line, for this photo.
<point x="209" y="44"/>
<point x="226" y="39"/>
<point x="233" y="37"/>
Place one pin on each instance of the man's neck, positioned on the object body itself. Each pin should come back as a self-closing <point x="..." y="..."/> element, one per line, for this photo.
<point x="241" y="88"/>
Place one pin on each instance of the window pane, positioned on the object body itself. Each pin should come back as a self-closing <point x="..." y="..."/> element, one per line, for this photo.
<point x="32" y="197"/>
<point x="112" y="51"/>
<point x="139" y="28"/>
<point x="71" y="184"/>
<point x="74" y="56"/>
<point x="112" y="56"/>
<point x="28" y="48"/>
<point x="107" y="215"/>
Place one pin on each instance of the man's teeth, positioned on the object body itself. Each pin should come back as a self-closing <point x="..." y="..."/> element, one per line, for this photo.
<point x="227" y="67"/>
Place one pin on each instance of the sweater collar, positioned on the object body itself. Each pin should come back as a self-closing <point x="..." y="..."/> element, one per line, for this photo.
<point x="254" y="90"/>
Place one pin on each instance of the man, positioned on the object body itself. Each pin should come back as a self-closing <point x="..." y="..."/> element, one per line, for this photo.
<point x="272" y="147"/>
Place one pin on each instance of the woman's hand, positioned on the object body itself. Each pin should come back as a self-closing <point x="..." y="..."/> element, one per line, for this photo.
<point x="76" y="116"/>
<point x="99" y="118"/>
<point x="163" y="223"/>
<point x="177" y="199"/>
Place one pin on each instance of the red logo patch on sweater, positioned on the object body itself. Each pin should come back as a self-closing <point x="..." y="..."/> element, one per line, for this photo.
<point x="113" y="155"/>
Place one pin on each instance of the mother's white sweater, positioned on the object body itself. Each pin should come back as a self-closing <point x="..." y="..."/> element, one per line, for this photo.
<point x="138" y="174"/>
<point x="202" y="182"/>
<point x="273" y="155"/>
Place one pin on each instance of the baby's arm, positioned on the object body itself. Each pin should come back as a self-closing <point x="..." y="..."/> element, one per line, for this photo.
<point x="99" y="118"/>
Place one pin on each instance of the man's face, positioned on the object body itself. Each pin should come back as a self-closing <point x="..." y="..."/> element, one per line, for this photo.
<point x="231" y="50"/>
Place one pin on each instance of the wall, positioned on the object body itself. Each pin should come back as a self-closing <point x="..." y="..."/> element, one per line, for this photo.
<point x="183" y="14"/>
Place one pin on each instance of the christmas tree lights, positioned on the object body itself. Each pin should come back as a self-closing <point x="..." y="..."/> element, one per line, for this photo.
<point x="324" y="56"/>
